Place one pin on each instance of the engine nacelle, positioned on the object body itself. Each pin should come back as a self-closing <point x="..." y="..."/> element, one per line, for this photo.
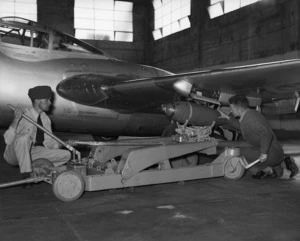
<point x="193" y="113"/>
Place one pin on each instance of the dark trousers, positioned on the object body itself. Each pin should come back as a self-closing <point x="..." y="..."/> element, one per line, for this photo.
<point x="274" y="160"/>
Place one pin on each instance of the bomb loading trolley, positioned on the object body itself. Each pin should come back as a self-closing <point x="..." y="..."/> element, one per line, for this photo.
<point x="143" y="161"/>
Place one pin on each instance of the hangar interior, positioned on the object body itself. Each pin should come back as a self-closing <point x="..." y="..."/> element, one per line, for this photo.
<point x="209" y="209"/>
<point x="262" y="31"/>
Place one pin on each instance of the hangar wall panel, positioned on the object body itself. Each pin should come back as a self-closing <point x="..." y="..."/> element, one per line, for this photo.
<point x="264" y="31"/>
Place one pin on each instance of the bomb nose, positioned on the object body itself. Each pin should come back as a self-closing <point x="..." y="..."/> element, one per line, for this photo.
<point x="168" y="109"/>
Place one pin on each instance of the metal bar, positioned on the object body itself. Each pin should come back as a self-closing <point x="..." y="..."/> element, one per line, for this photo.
<point x="70" y="148"/>
<point x="149" y="177"/>
<point x="43" y="129"/>
<point x="137" y="159"/>
<point x="28" y="180"/>
<point x="247" y="166"/>
<point x="150" y="141"/>
<point x="205" y="99"/>
<point x="94" y="143"/>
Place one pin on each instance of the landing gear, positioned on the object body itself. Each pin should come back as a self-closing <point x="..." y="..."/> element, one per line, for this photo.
<point x="68" y="186"/>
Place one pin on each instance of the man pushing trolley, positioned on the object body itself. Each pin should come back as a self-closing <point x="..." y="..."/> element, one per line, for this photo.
<point x="25" y="142"/>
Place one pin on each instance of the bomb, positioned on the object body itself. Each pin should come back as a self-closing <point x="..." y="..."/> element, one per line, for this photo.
<point x="194" y="113"/>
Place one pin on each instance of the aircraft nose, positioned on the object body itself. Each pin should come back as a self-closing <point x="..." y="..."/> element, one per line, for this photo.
<point x="82" y="89"/>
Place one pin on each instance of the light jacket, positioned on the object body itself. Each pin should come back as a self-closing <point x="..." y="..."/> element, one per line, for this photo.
<point x="26" y="128"/>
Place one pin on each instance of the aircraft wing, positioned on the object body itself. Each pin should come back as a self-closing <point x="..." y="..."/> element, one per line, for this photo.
<point x="266" y="81"/>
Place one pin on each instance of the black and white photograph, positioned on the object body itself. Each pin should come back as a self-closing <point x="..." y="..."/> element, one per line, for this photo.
<point x="149" y="120"/>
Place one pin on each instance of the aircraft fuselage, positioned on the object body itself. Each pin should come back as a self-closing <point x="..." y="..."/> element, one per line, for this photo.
<point x="23" y="67"/>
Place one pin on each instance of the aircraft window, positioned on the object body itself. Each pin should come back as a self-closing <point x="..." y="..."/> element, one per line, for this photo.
<point x="24" y="37"/>
<point x="31" y="38"/>
<point x="27" y="38"/>
<point x="11" y="35"/>
<point x="42" y="40"/>
<point x="66" y="43"/>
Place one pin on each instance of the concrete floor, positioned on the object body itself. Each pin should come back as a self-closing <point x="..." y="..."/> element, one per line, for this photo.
<point x="211" y="209"/>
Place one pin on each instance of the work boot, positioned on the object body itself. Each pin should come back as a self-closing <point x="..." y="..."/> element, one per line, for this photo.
<point x="265" y="174"/>
<point x="285" y="174"/>
<point x="291" y="165"/>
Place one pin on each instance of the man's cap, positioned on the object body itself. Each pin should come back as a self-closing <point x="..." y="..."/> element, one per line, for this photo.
<point x="40" y="92"/>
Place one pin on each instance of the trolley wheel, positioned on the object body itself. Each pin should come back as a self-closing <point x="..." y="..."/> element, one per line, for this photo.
<point x="42" y="162"/>
<point x="68" y="186"/>
<point x="233" y="168"/>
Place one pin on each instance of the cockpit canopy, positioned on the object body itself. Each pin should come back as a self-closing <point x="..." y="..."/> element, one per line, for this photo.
<point x="20" y="31"/>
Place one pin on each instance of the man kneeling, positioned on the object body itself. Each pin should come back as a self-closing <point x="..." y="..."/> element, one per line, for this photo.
<point x="25" y="142"/>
